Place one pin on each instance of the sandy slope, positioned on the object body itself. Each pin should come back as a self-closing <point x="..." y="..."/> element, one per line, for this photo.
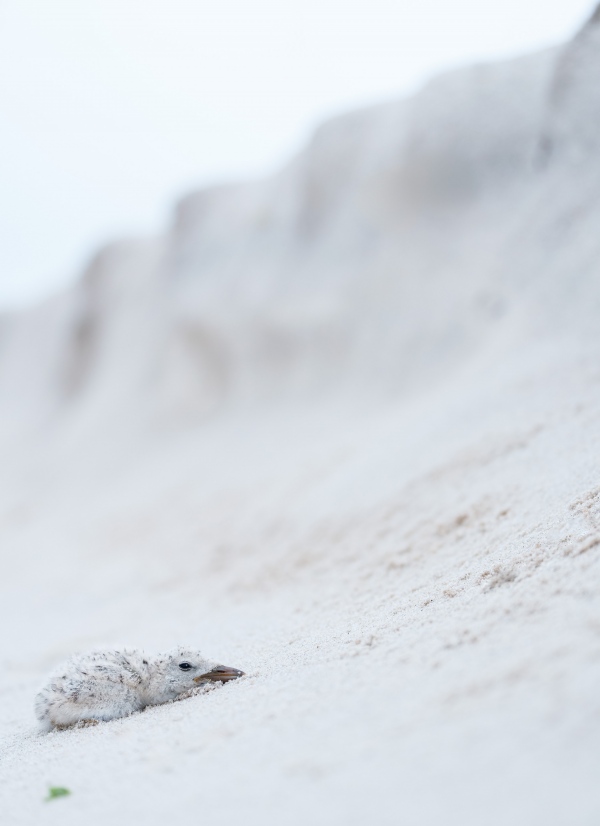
<point x="414" y="597"/>
<point x="367" y="475"/>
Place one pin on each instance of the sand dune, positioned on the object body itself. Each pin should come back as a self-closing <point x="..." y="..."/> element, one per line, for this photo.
<point x="340" y="428"/>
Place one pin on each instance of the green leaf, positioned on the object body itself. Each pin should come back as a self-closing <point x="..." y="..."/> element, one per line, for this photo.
<point x="57" y="791"/>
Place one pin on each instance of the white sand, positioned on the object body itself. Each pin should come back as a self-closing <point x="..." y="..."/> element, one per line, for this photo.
<point x="341" y="430"/>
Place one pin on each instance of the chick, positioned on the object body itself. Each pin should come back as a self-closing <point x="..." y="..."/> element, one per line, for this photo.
<point x="104" y="685"/>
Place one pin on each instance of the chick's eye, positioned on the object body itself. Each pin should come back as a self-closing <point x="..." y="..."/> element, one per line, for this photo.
<point x="185" y="666"/>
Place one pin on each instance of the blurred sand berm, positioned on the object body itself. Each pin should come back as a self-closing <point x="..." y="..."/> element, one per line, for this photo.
<point x="339" y="427"/>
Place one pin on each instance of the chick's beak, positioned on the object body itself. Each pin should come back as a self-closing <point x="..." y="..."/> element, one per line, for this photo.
<point x="220" y="674"/>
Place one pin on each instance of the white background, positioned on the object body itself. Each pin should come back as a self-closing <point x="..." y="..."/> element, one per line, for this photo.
<point x="110" y="109"/>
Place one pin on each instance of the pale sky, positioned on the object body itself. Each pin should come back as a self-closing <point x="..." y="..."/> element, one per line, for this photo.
<point x="111" y="109"/>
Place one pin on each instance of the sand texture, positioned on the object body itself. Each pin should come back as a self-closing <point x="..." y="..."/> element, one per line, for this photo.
<point x="340" y="429"/>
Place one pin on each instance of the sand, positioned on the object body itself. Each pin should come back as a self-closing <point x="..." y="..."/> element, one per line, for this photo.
<point x="339" y="429"/>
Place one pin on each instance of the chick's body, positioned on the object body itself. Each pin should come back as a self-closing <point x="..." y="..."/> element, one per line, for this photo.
<point x="106" y="684"/>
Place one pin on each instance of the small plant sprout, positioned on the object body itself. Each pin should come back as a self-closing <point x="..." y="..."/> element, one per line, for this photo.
<point x="57" y="791"/>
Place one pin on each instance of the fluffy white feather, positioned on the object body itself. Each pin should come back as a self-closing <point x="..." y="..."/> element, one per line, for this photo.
<point x="106" y="684"/>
